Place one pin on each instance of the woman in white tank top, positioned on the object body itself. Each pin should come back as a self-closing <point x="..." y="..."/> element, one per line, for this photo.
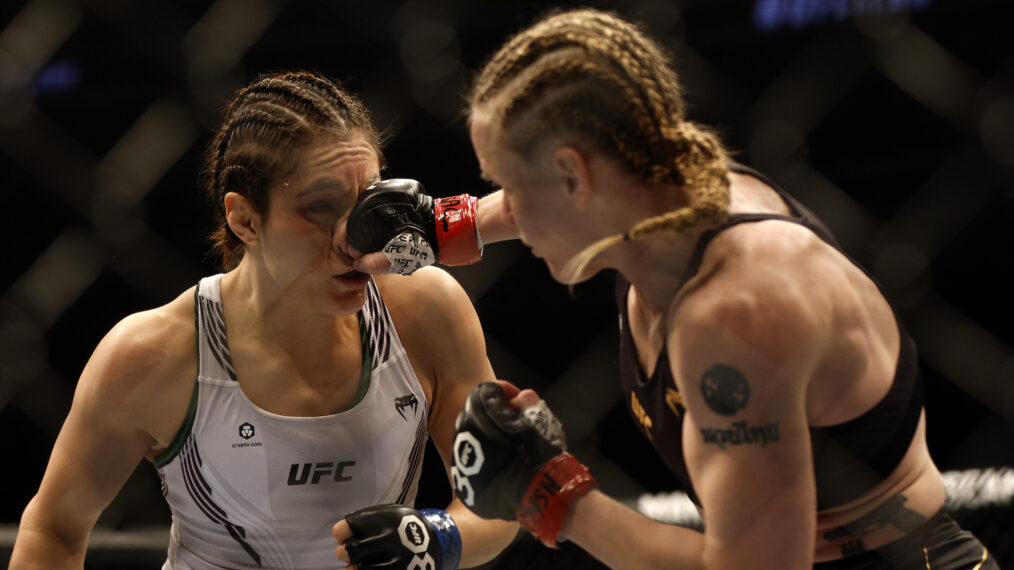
<point x="290" y="391"/>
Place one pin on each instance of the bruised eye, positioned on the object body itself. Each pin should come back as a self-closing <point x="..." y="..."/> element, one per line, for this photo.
<point x="321" y="207"/>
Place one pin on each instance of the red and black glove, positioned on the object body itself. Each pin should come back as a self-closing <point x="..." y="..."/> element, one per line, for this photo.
<point x="413" y="229"/>
<point x="512" y="464"/>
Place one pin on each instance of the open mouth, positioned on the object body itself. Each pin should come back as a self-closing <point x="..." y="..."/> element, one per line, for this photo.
<point x="352" y="276"/>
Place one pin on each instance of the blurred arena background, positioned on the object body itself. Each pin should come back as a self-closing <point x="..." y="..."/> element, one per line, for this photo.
<point x="892" y="119"/>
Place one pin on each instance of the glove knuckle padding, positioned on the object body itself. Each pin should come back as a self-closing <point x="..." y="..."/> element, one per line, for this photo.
<point x="497" y="451"/>
<point x="387" y="209"/>
<point x="392" y="536"/>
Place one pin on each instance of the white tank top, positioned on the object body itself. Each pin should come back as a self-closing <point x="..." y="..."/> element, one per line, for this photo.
<point x="252" y="489"/>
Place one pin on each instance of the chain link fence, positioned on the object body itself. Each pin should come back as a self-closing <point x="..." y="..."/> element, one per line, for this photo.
<point x="893" y="120"/>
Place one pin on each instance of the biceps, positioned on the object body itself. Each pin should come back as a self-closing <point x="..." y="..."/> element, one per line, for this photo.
<point x="755" y="480"/>
<point x="91" y="459"/>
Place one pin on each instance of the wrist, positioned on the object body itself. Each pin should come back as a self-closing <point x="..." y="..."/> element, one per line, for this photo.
<point x="546" y="503"/>
<point x="445" y="532"/>
<point x="457" y="234"/>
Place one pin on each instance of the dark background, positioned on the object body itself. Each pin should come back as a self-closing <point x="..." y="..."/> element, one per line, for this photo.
<point x="893" y="120"/>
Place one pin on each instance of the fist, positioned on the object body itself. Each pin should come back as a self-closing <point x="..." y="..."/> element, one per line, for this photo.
<point x="388" y="209"/>
<point x="498" y="449"/>
<point x="397" y="219"/>
<point x="399" y="537"/>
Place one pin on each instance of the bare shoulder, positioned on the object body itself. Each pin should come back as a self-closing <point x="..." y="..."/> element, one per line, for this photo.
<point x="144" y="368"/>
<point x="428" y="298"/>
<point x="439" y="329"/>
<point x="146" y="338"/>
<point x="765" y="288"/>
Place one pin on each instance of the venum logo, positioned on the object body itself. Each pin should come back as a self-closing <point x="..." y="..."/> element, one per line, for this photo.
<point x="641" y="415"/>
<point x="299" y="474"/>
<point x="408" y="401"/>
<point x="246" y="430"/>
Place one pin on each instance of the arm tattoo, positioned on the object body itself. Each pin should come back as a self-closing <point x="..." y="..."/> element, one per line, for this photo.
<point x="725" y="390"/>
<point x="892" y="513"/>
<point x="739" y="433"/>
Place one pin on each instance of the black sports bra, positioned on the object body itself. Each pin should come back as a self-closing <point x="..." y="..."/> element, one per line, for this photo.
<point x="848" y="458"/>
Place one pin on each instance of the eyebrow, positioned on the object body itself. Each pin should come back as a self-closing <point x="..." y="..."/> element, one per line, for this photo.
<point x="322" y="184"/>
<point x="329" y="183"/>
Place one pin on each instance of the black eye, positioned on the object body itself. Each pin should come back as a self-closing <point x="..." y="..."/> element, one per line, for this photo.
<point x="320" y="207"/>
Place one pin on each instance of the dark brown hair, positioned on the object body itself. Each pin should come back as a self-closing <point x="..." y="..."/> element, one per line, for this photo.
<point x="264" y="129"/>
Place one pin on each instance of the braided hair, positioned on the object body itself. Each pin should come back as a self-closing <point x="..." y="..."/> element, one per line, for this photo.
<point x="265" y="127"/>
<point x="592" y="76"/>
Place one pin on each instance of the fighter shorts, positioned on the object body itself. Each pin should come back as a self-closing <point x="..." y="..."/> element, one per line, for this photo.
<point x="939" y="544"/>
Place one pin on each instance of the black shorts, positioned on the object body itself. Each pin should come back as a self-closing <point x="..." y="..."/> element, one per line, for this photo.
<point x="939" y="544"/>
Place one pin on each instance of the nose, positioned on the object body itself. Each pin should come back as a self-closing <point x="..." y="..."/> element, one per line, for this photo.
<point x="340" y="244"/>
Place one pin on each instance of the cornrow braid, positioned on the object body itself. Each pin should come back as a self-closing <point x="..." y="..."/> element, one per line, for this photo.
<point x="264" y="129"/>
<point x="596" y="78"/>
<point x="583" y="114"/>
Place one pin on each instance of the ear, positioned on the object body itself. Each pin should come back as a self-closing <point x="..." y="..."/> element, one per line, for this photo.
<point x="575" y="172"/>
<point x="243" y="219"/>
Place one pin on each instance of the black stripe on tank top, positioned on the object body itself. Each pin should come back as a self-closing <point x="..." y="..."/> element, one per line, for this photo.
<point x="380" y="341"/>
<point x="200" y="492"/>
<point x="213" y="323"/>
<point x="415" y="460"/>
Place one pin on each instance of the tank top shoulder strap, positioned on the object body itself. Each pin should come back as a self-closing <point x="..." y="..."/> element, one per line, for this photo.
<point x="379" y="334"/>
<point x="213" y="358"/>
<point x="800" y="215"/>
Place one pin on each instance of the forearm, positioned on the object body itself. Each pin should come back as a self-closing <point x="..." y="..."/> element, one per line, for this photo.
<point x="609" y="531"/>
<point x="481" y="539"/>
<point x="39" y="546"/>
<point x="492" y="220"/>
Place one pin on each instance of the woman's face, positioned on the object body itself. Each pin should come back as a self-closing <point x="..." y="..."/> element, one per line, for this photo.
<point x="535" y="197"/>
<point x="303" y="241"/>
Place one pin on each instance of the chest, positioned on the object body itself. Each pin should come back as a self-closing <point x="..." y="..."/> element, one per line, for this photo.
<point x="647" y="331"/>
<point x="301" y="385"/>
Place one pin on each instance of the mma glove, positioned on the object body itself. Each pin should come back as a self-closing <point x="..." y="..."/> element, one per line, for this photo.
<point x="413" y="229"/>
<point x="398" y="537"/>
<point x="512" y="464"/>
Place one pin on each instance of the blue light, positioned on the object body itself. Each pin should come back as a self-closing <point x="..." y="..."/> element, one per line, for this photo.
<point x="58" y="77"/>
<point x="770" y="15"/>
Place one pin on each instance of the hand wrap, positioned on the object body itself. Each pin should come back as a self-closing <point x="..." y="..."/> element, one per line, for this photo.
<point x="414" y="230"/>
<point x="399" y="537"/>
<point x="510" y="464"/>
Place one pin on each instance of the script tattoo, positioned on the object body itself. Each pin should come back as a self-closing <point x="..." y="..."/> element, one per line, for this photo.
<point x="725" y="389"/>
<point x="892" y="513"/>
<point x="740" y="433"/>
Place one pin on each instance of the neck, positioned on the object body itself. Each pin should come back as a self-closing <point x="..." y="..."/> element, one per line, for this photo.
<point x="257" y="306"/>
<point x="655" y="266"/>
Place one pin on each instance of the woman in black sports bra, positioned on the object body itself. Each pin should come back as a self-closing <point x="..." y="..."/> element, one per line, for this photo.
<point x="764" y="365"/>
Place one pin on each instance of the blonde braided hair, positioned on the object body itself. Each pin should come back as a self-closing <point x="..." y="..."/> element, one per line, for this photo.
<point x="591" y="75"/>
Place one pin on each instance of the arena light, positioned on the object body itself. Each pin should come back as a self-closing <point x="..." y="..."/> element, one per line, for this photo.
<point x="771" y="15"/>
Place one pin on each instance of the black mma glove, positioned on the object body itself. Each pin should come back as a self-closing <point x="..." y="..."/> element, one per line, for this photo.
<point x="398" y="537"/>
<point x="512" y="464"/>
<point x="397" y="217"/>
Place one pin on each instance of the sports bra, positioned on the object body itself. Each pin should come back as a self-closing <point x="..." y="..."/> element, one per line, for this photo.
<point x="848" y="458"/>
